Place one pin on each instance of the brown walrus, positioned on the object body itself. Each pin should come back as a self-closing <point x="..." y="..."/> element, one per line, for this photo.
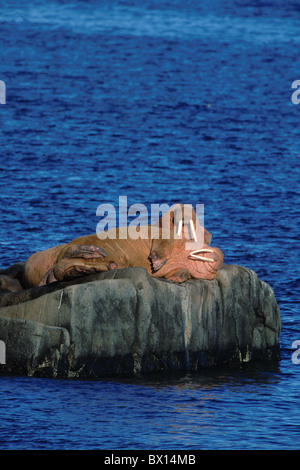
<point x="166" y="256"/>
<point x="39" y="264"/>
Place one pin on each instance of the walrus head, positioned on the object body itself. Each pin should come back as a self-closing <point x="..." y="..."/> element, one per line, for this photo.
<point x="179" y="223"/>
<point x="202" y="263"/>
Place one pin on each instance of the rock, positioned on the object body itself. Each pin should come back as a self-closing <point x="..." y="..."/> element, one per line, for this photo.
<point x="127" y="322"/>
<point x="15" y="271"/>
<point x="11" y="278"/>
<point x="8" y="284"/>
<point x="34" y="348"/>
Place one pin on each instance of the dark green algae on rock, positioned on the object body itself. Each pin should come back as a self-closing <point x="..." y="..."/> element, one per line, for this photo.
<point x="126" y="322"/>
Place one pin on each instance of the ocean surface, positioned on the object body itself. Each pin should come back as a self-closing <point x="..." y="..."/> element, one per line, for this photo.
<point x="184" y="101"/>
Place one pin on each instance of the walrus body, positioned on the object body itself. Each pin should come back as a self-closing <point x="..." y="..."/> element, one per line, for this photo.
<point x="39" y="264"/>
<point x="165" y="256"/>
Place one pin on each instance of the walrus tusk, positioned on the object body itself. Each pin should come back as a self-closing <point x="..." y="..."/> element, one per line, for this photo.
<point x="202" y="258"/>
<point x="202" y="250"/>
<point x="179" y="230"/>
<point x="193" y="230"/>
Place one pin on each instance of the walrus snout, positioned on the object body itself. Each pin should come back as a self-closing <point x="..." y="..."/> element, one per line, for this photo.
<point x="156" y="262"/>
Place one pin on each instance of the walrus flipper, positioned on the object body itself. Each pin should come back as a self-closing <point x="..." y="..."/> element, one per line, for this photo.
<point x="84" y="252"/>
<point x="69" y="268"/>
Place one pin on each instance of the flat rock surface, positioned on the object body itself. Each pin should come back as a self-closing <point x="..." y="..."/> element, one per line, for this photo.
<point x="127" y="322"/>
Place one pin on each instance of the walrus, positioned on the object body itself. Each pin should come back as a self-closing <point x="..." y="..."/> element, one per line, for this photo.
<point x="38" y="264"/>
<point x="168" y="255"/>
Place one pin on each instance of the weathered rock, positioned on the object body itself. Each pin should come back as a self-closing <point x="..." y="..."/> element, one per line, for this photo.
<point x="34" y="348"/>
<point x="8" y="284"/>
<point x="127" y="322"/>
<point x="15" y="271"/>
<point x="11" y="278"/>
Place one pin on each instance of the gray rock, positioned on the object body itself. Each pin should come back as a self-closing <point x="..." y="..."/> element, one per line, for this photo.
<point x="8" y="284"/>
<point x="127" y="322"/>
<point x="15" y="271"/>
<point x="11" y="278"/>
<point x="33" y="348"/>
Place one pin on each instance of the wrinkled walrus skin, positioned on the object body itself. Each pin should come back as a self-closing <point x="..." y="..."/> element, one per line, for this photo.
<point x="39" y="264"/>
<point x="165" y="256"/>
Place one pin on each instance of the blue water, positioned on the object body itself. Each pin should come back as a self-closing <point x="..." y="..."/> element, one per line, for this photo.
<point x="162" y="102"/>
